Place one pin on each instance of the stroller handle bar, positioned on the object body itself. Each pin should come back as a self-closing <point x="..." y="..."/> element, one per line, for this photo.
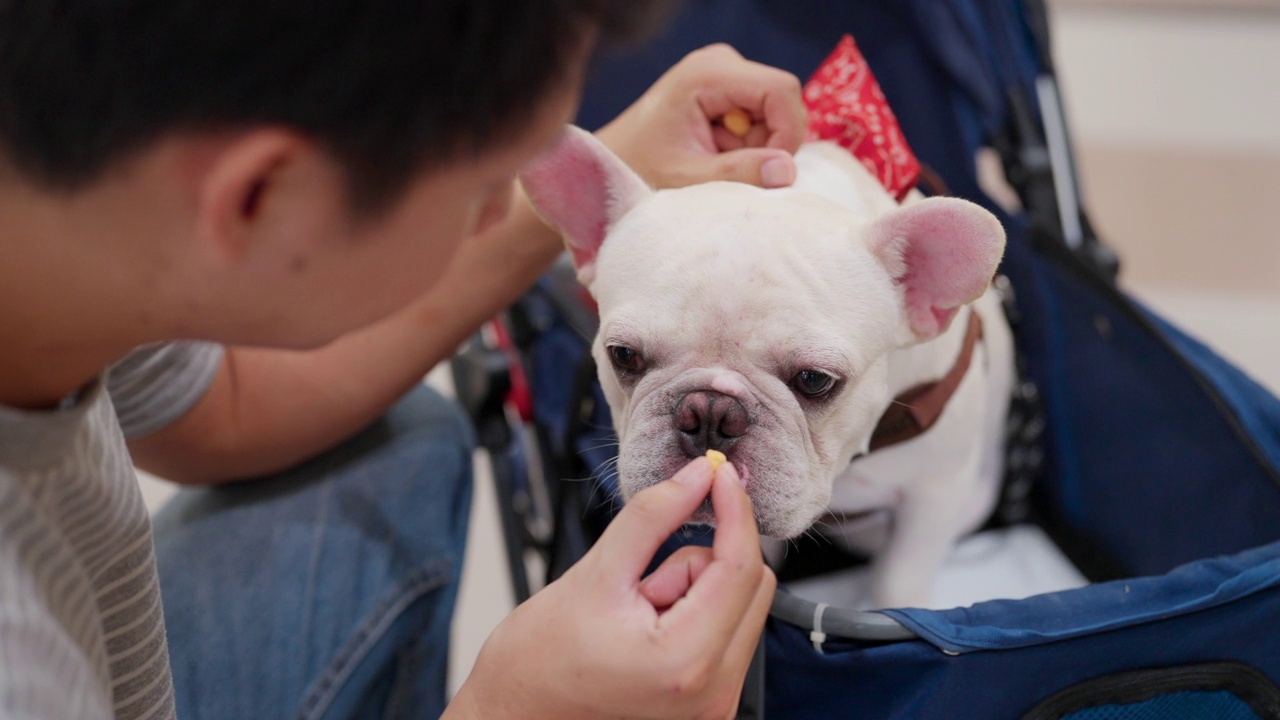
<point x="822" y="620"/>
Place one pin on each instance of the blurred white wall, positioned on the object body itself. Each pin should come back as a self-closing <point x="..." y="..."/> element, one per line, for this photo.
<point x="1175" y="75"/>
<point x="1175" y="111"/>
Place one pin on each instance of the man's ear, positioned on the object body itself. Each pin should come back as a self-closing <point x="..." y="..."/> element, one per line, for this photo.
<point x="942" y="253"/>
<point x="245" y="175"/>
<point x="581" y="189"/>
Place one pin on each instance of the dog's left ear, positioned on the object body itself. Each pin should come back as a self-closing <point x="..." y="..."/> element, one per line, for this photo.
<point x="942" y="252"/>
<point x="581" y="189"/>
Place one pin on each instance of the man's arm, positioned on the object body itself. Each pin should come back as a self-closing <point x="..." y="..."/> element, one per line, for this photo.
<point x="266" y="410"/>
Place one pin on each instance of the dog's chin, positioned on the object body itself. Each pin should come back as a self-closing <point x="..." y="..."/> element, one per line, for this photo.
<point x="784" y="528"/>
<point x="768" y="525"/>
<point x="772" y="520"/>
<point x="704" y="515"/>
<point x="786" y="496"/>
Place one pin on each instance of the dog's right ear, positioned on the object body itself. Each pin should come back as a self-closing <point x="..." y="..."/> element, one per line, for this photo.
<point x="580" y="188"/>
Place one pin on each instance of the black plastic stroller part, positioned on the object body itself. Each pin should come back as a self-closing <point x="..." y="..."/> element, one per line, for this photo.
<point x="481" y="381"/>
<point x="1036" y="148"/>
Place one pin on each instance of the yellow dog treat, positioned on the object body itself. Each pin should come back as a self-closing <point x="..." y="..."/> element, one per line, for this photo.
<point x="737" y="121"/>
<point x="717" y="459"/>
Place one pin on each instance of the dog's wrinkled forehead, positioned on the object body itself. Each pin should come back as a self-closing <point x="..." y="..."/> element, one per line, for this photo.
<point x="729" y="234"/>
<point x="714" y="258"/>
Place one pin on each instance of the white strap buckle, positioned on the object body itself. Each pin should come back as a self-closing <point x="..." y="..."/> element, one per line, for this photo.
<point x="817" y="636"/>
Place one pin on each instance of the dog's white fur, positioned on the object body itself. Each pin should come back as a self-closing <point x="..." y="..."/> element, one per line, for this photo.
<point x="727" y="292"/>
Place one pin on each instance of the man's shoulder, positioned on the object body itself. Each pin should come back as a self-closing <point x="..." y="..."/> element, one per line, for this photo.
<point x="33" y="546"/>
<point x="17" y="506"/>
<point x="155" y="384"/>
<point x="52" y="662"/>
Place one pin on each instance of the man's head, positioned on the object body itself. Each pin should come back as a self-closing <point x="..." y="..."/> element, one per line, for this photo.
<point x="388" y="88"/>
<point x="291" y="147"/>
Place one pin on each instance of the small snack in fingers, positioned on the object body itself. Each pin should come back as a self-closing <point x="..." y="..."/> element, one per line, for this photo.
<point x="737" y="121"/>
<point x="717" y="459"/>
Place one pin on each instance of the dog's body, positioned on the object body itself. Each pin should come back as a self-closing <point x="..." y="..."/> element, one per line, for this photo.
<point x="943" y="483"/>
<point x="778" y="326"/>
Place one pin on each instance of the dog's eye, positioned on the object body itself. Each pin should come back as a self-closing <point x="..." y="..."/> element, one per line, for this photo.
<point x="625" y="359"/>
<point x="813" y="383"/>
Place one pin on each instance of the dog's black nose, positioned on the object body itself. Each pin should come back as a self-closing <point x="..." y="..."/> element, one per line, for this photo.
<point x="709" y="420"/>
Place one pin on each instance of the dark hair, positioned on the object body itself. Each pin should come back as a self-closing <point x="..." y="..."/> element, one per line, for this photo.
<point x="389" y="87"/>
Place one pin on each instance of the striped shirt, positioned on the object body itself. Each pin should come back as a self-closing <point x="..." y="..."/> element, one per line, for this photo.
<point x="81" y="625"/>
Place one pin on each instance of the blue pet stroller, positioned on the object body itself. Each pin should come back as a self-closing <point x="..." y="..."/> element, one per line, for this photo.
<point x="1152" y="463"/>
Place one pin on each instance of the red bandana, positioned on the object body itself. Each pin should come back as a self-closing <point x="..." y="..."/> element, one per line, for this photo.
<point x="847" y="107"/>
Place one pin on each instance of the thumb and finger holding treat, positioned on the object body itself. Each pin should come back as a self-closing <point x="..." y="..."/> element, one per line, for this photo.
<point x="746" y="94"/>
<point x="729" y="576"/>
<point x="652" y="515"/>
<point x="754" y="106"/>
<point x="746" y="143"/>
<point x="671" y="580"/>
<point x="677" y="134"/>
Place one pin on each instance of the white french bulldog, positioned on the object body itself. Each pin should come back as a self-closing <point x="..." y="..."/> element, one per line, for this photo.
<point x="778" y="326"/>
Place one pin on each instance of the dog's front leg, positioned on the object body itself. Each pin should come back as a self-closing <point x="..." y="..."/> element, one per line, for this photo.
<point x="926" y="524"/>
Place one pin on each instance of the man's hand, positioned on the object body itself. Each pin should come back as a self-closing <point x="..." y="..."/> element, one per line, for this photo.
<point x="672" y="136"/>
<point x="601" y="642"/>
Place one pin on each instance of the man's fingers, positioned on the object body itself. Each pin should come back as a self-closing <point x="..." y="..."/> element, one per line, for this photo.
<point x="757" y="136"/>
<point x="744" y="641"/>
<point x="673" y="578"/>
<point x="648" y="519"/>
<point x="772" y="97"/>
<point x="719" y="599"/>
<point x="782" y="115"/>
<point x="737" y="539"/>
<point x="785" y="114"/>
<point x="737" y="657"/>
<point x="757" y="166"/>
<point x="740" y="132"/>
<point x="725" y="140"/>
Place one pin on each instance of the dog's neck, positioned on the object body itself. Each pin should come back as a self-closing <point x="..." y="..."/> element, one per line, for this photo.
<point x="928" y="361"/>
<point x="914" y="410"/>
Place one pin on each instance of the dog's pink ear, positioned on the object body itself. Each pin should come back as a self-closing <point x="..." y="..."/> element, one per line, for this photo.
<point x="942" y="252"/>
<point x="581" y="189"/>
